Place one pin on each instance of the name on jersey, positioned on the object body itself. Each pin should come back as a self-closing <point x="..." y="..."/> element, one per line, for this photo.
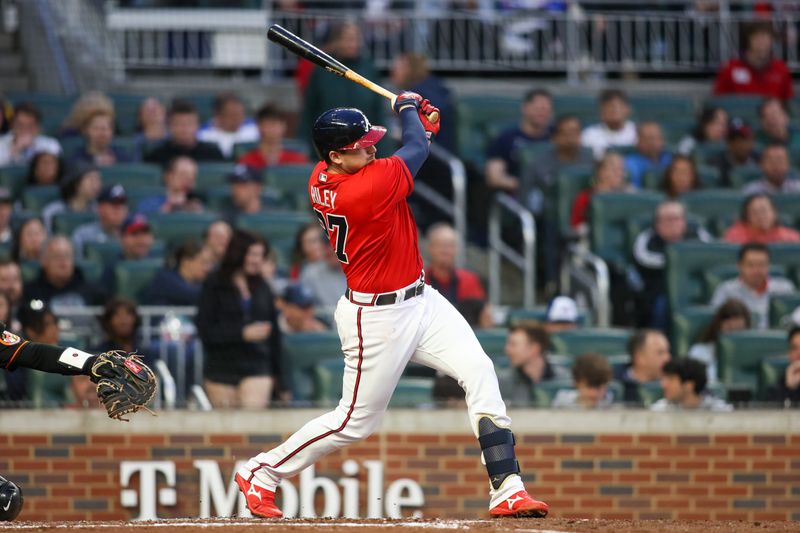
<point x="326" y="198"/>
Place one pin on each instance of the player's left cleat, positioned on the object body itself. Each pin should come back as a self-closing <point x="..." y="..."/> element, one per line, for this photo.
<point x="520" y="505"/>
<point x="261" y="502"/>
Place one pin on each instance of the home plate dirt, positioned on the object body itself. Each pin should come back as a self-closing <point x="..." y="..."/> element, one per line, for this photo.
<point x="550" y="525"/>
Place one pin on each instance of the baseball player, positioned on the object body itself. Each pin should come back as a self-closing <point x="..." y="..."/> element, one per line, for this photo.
<point x="388" y="316"/>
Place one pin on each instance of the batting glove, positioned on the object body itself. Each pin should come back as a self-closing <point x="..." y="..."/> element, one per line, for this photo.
<point x="406" y="99"/>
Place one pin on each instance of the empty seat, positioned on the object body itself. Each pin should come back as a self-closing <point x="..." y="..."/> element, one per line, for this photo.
<point x="611" y="216"/>
<point x="66" y="222"/>
<point x="35" y="198"/>
<point x="210" y="175"/>
<point x="686" y="266"/>
<point x="412" y="392"/>
<point x="291" y="183"/>
<point x="177" y="228"/>
<point x="659" y="107"/>
<point x="126" y="110"/>
<point x="475" y="113"/>
<point x="788" y="205"/>
<point x="13" y="178"/>
<point x="739" y="105"/>
<point x="575" y="342"/>
<point x="132" y="175"/>
<point x="53" y="107"/>
<point x="787" y="255"/>
<point x="716" y="206"/>
<point x="687" y="325"/>
<point x="539" y="314"/>
<point x="741" y="353"/>
<point x="302" y="352"/>
<point x="278" y="227"/>
<point x="493" y="342"/>
<point x="132" y="277"/>
<point x="742" y="175"/>
<point x="781" y="307"/>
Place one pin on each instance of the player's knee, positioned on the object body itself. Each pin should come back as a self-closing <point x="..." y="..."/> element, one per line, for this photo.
<point x="10" y="500"/>
<point x="479" y="370"/>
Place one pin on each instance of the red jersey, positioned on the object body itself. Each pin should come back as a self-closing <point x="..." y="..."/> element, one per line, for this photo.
<point x="369" y="223"/>
<point x="737" y="77"/>
<point x="255" y="159"/>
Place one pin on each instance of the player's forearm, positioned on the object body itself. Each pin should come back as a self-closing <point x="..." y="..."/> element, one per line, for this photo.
<point x="48" y="358"/>
<point x="415" y="144"/>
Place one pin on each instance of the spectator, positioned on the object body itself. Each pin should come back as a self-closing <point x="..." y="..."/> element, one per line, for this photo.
<point x="503" y="169"/>
<point x="309" y="248"/>
<point x="788" y="387"/>
<point x="180" y="284"/>
<point x="120" y="323"/>
<point x="754" y="285"/>
<point x="649" y="351"/>
<point x="732" y="315"/>
<point x="649" y="255"/>
<point x="325" y="279"/>
<point x="325" y="92"/>
<point x="183" y="122"/>
<point x="11" y="283"/>
<point x="229" y="125"/>
<point x="609" y="176"/>
<point x="137" y="244"/>
<point x="756" y="71"/>
<point x="38" y="324"/>
<point x="561" y="315"/>
<point x="237" y="322"/>
<point x="98" y="133"/>
<point x="180" y="181"/>
<point x="565" y="151"/>
<point x="215" y="240"/>
<point x="477" y="312"/>
<point x="87" y="105"/>
<point x="18" y="146"/>
<point x="649" y="155"/>
<point x="151" y="126"/>
<point x="455" y="284"/>
<point x="246" y="184"/>
<point x="684" y="385"/>
<point x="758" y="222"/>
<point x="778" y="174"/>
<point x="60" y="282"/>
<point x="79" y="191"/>
<point x="739" y="151"/>
<point x="297" y="311"/>
<point x="112" y="210"/>
<point x="776" y="127"/>
<point x="29" y="241"/>
<point x="6" y="210"/>
<point x="526" y="348"/>
<point x="591" y="374"/>
<point x="45" y="168"/>
<point x="680" y="177"/>
<point x="712" y="127"/>
<point x="270" y="150"/>
<point x="411" y="72"/>
<point x="614" y="129"/>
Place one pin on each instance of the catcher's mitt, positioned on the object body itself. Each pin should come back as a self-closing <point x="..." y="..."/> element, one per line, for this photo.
<point x="124" y="383"/>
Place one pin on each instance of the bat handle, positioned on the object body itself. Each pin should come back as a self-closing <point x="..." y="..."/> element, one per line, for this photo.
<point x="434" y="117"/>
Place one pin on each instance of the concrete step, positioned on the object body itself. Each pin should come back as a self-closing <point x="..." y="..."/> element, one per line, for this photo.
<point x="10" y="63"/>
<point x="15" y="83"/>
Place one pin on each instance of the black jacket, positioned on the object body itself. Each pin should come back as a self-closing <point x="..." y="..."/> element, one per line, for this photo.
<point x="76" y="292"/>
<point x="167" y="150"/>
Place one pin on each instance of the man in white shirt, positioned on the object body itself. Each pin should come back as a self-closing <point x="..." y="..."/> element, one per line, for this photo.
<point x="614" y="128"/>
<point x="18" y="146"/>
<point x="229" y="125"/>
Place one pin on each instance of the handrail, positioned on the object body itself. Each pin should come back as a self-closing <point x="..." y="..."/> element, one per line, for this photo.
<point x="168" y="386"/>
<point x="68" y="85"/>
<point x="600" y="286"/>
<point x="201" y="397"/>
<point x="526" y="262"/>
<point x="458" y="177"/>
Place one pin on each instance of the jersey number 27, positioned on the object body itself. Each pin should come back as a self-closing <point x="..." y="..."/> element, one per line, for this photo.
<point x="337" y="223"/>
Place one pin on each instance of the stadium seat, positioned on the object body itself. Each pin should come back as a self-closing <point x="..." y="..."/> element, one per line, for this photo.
<point x="571" y="181"/>
<point x="716" y="206"/>
<point x="412" y="393"/>
<point x="686" y="265"/>
<point x="787" y="255"/>
<point x="687" y="325"/>
<point x="46" y="390"/>
<point x="13" y="178"/>
<point x="545" y="391"/>
<point x="474" y="114"/>
<point x="138" y="194"/>
<point x="584" y="106"/>
<point x="605" y="341"/>
<point x="611" y="215"/>
<point x="741" y="176"/>
<point x="126" y="109"/>
<point x="108" y="252"/>
<point x="660" y="107"/>
<point x="773" y="370"/>
<point x="291" y="183"/>
<point x="92" y="270"/>
<point x="788" y="205"/>
<point x="650" y="392"/>
<point x="781" y="306"/>
<point x="739" y="105"/>
<point x="66" y="222"/>
<point x="239" y="149"/>
<point x="211" y="175"/>
<point x="203" y="103"/>
<point x="705" y="152"/>
<point x="740" y="354"/>
<point x="493" y="342"/>
<point x="219" y="199"/>
<point x="53" y="107"/>
<point x="176" y="228"/>
<point x="35" y="198"/>
<point x="301" y="353"/>
<point x="279" y="228"/>
<point x="132" y="175"/>
<point x="539" y="314"/>
<point x="131" y="277"/>
<point x="30" y="270"/>
<point x="70" y="146"/>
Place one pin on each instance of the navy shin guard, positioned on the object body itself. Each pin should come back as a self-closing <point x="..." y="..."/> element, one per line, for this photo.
<point x="497" y="445"/>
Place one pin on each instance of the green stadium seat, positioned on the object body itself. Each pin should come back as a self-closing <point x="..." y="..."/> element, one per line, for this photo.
<point x="35" y="198"/>
<point x="545" y="391"/>
<point x="126" y="109"/>
<point x="13" y="178"/>
<point x="605" y="341"/>
<point x="66" y="222"/>
<point x="742" y="106"/>
<point x="92" y="270"/>
<point x="493" y="342"/>
<point x="291" y="183"/>
<point x="583" y="106"/>
<point x="53" y="107"/>
<point x="475" y="114"/>
<point x="108" y="252"/>
<point x="539" y="314"/>
<point x="210" y="175"/>
<point x="659" y="107"/>
<point x="279" y="228"/>
<point x="686" y="265"/>
<point x="71" y="145"/>
<point x="298" y="145"/>
<point x="788" y="256"/>
<point x="740" y="176"/>
<point x="709" y="176"/>
<point x="131" y="277"/>
<point x="705" y="152"/>
<point x="675" y="128"/>
<point x="618" y="364"/>
<point x="47" y="390"/>
<point x="773" y="371"/>
<point x="741" y="353"/>
<point x="138" y="194"/>
<point x="611" y="215"/>
<point x="328" y="375"/>
<point x="129" y="145"/>
<point x="301" y="353"/>
<point x="716" y="206"/>
<point x="30" y="270"/>
<point x="571" y="181"/>
<point x="788" y="205"/>
<point x="650" y="392"/>
<point x="687" y="325"/>
<point x="176" y="228"/>
<point x="203" y="103"/>
<point x="239" y="149"/>
<point x="412" y="393"/>
<point x="219" y="199"/>
<point x="781" y="306"/>
<point x="132" y="175"/>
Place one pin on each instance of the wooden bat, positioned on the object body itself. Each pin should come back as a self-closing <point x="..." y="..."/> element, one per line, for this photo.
<point x="302" y="48"/>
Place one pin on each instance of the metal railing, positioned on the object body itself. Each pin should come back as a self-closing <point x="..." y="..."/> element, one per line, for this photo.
<point x="591" y="272"/>
<point x="498" y="248"/>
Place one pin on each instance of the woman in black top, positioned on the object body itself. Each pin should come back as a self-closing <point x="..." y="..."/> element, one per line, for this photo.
<point x="237" y="322"/>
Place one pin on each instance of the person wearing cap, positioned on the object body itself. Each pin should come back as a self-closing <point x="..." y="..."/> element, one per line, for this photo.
<point x="455" y="284"/>
<point x="112" y="210"/>
<point x="183" y="122"/>
<point x="180" y="181"/>
<point x="180" y="284"/>
<point x="246" y="186"/>
<point x="562" y="315"/>
<point x="739" y="152"/>
<point x="18" y="146"/>
<point x="297" y="311"/>
<point x="137" y="244"/>
<point x="778" y="176"/>
<point x="79" y="191"/>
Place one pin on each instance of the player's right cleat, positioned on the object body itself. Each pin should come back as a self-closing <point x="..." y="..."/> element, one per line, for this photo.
<point x="520" y="505"/>
<point x="261" y="502"/>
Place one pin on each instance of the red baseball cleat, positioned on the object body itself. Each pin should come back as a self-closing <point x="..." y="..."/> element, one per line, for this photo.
<point x="520" y="505"/>
<point x="261" y="502"/>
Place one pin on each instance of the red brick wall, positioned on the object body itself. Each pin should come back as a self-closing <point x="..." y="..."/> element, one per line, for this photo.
<point x="754" y="477"/>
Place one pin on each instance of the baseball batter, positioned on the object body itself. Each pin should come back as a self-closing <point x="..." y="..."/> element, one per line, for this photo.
<point x="388" y="316"/>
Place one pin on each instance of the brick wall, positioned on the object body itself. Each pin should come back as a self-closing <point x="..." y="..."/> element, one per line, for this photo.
<point x="611" y="475"/>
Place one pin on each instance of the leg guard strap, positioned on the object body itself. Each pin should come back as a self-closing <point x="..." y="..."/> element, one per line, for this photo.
<point x="497" y="445"/>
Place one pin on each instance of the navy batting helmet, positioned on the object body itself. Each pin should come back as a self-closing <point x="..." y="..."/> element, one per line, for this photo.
<point x="10" y="500"/>
<point x="344" y="128"/>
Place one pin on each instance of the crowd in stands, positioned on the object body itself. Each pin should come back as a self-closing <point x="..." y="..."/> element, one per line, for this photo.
<point x="78" y="228"/>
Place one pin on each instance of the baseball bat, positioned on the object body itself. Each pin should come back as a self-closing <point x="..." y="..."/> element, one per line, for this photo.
<point x="302" y="48"/>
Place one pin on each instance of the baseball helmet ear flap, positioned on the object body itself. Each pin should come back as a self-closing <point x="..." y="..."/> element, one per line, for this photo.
<point x="10" y="500"/>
